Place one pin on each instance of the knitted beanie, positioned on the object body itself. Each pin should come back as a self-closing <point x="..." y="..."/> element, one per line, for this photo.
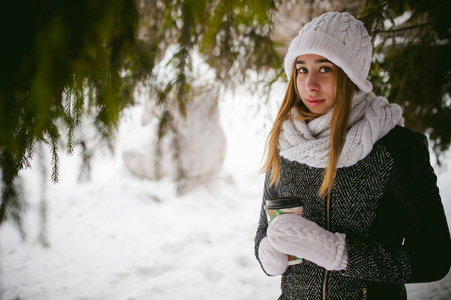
<point x="340" y="38"/>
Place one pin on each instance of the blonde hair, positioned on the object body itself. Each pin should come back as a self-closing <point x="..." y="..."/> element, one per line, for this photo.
<point x="344" y="91"/>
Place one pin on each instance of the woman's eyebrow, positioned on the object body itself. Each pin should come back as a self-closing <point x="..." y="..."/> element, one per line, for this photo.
<point x="318" y="61"/>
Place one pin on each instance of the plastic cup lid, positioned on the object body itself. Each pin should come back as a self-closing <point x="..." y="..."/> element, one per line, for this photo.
<point x="283" y="202"/>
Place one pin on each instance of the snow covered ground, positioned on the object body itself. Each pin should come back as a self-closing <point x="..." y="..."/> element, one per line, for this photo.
<point x="118" y="237"/>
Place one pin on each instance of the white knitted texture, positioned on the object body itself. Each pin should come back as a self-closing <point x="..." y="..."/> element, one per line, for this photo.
<point x="371" y="118"/>
<point x="273" y="261"/>
<point x="340" y="38"/>
<point x="293" y="234"/>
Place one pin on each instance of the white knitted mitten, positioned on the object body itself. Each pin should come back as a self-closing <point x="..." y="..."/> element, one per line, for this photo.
<point x="274" y="262"/>
<point x="295" y="235"/>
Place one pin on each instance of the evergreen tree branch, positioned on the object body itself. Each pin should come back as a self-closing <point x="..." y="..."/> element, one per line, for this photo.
<point x="405" y="28"/>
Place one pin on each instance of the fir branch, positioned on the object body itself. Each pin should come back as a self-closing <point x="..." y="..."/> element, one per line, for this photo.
<point x="53" y="137"/>
<point x="405" y="28"/>
<point x="184" y="67"/>
<point x="162" y="95"/>
<point x="69" y="119"/>
<point x="182" y="59"/>
<point x="79" y="98"/>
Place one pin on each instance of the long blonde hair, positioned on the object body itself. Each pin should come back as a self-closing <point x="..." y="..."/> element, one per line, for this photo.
<point x="344" y="91"/>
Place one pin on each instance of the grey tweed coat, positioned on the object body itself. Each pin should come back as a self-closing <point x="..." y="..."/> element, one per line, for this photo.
<point x="389" y="207"/>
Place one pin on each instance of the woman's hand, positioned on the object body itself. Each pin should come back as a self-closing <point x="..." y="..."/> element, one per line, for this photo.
<point x="273" y="262"/>
<point x="295" y="235"/>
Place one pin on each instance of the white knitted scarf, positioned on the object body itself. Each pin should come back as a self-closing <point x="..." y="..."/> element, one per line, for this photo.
<point x="371" y="118"/>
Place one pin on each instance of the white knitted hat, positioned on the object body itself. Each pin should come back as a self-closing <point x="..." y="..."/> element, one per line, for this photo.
<point x="340" y="38"/>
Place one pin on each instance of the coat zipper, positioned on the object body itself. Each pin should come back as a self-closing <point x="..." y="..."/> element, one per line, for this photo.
<point x="324" y="284"/>
<point x="364" y="291"/>
<point x="326" y="273"/>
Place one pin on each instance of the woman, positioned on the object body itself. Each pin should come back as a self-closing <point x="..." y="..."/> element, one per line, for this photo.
<point x="373" y="218"/>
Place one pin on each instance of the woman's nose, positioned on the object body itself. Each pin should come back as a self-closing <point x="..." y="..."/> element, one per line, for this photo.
<point x="312" y="83"/>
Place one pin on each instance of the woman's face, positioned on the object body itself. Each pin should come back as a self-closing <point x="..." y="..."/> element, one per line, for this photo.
<point x="315" y="82"/>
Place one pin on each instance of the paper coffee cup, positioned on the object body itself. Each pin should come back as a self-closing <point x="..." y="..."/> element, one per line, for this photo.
<point x="280" y="206"/>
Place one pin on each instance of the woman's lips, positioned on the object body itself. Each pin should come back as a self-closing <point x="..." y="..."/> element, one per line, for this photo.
<point x="315" y="101"/>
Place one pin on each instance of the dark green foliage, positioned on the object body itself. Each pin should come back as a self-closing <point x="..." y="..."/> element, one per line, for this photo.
<point x="416" y="67"/>
<point x="238" y="38"/>
<point x="68" y="60"/>
<point x="64" y="60"/>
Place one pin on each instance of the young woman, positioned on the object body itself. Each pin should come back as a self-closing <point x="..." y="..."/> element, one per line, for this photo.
<point x="372" y="214"/>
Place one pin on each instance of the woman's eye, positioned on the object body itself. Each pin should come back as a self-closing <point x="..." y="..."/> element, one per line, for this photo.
<point x="325" y="69"/>
<point x="302" y="70"/>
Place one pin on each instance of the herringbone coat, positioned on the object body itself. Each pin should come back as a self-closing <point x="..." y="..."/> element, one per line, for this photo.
<point x="389" y="207"/>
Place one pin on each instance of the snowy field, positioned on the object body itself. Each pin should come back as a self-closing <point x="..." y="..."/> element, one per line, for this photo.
<point x="118" y="237"/>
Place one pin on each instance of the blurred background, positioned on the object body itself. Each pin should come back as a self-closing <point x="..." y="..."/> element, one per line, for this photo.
<point x="132" y="133"/>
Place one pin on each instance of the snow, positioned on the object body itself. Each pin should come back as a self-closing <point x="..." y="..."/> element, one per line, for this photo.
<point x="122" y="237"/>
